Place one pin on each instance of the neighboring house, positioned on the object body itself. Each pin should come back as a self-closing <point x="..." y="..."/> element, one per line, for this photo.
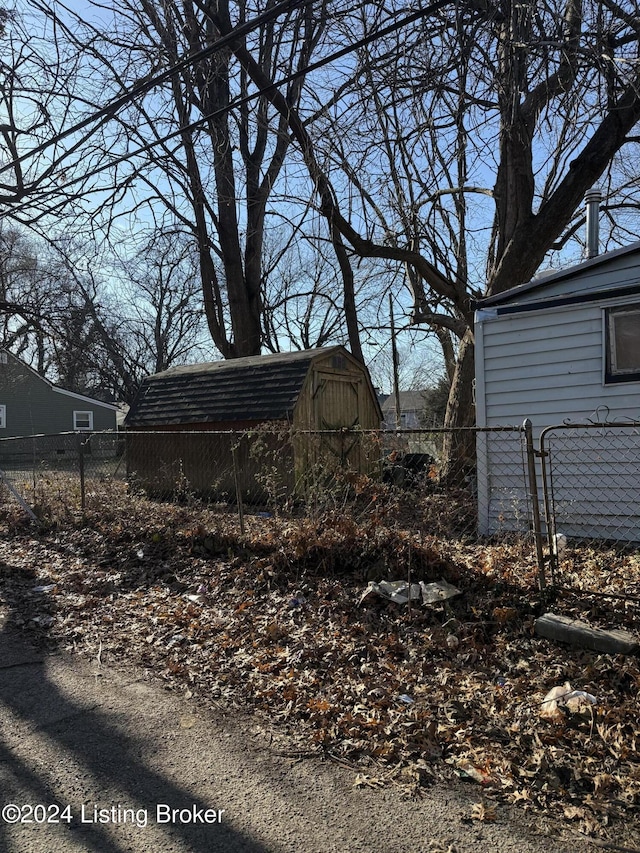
<point x="413" y="415"/>
<point x="31" y="405"/>
<point x="563" y="347"/>
<point x="317" y="389"/>
<point x="412" y="410"/>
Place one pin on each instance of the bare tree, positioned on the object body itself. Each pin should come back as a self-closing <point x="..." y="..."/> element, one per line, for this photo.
<point x="50" y="315"/>
<point x="303" y="306"/>
<point x="205" y="149"/>
<point x="142" y="317"/>
<point x="23" y="300"/>
<point x="503" y="114"/>
<point x="62" y="315"/>
<point x="164" y="323"/>
<point x="518" y="105"/>
<point x="51" y="135"/>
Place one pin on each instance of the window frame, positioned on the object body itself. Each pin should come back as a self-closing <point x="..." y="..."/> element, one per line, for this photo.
<point x="613" y="374"/>
<point x="75" y="420"/>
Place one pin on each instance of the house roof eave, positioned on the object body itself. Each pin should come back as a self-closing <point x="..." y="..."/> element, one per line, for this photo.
<point x="91" y="400"/>
<point x="544" y="280"/>
<point x="59" y="390"/>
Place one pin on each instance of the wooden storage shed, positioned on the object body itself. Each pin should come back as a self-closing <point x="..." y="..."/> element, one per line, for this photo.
<point x="252" y="421"/>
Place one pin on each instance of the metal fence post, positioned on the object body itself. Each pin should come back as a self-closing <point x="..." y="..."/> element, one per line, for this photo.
<point x="80" y="445"/>
<point x="236" y="480"/>
<point x="535" y="503"/>
<point x="549" y="513"/>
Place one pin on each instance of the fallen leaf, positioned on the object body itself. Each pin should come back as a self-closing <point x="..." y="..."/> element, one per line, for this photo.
<point x="483" y="812"/>
<point x="574" y="812"/>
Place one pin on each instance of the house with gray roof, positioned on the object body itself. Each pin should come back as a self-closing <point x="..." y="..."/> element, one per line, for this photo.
<point x="412" y="408"/>
<point x="31" y="405"/>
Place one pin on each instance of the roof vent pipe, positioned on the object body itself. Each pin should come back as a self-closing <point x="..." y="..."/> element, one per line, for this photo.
<point x="592" y="201"/>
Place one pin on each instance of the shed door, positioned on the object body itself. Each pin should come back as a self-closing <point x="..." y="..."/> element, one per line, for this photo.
<point x="337" y="405"/>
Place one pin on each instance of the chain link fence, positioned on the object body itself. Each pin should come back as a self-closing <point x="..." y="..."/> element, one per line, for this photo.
<point x="574" y="493"/>
<point x="456" y="482"/>
<point x="50" y="474"/>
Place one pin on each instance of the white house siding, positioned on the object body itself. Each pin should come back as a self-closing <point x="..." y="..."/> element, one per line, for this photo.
<point x="503" y="504"/>
<point x="547" y="364"/>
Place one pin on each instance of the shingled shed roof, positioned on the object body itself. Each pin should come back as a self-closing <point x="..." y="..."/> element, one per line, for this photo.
<point x="258" y="388"/>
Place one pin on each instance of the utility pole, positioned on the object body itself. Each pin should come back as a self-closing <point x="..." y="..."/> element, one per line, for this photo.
<point x="394" y="356"/>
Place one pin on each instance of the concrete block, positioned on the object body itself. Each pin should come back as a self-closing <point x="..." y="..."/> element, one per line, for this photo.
<point x="581" y="634"/>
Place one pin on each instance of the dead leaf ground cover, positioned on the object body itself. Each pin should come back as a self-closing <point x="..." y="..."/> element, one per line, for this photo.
<point x="271" y="621"/>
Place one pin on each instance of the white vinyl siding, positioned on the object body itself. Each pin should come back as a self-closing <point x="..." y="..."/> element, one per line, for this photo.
<point x="548" y="365"/>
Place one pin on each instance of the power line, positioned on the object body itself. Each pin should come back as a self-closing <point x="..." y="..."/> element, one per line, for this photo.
<point x="238" y="102"/>
<point x="114" y="106"/>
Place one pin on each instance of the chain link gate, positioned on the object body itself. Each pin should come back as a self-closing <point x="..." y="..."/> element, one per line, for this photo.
<point x="590" y="478"/>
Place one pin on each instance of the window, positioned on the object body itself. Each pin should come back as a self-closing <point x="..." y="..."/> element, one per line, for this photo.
<point x="83" y="420"/>
<point x="3" y="417"/>
<point x="623" y="344"/>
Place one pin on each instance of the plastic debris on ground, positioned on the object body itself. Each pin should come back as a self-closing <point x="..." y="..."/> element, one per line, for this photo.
<point x="399" y="591"/>
<point x="564" y="695"/>
<point x="396" y="591"/>
<point x="434" y="593"/>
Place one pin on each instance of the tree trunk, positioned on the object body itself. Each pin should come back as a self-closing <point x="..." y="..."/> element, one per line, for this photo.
<point x="458" y="451"/>
<point x="348" y="288"/>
